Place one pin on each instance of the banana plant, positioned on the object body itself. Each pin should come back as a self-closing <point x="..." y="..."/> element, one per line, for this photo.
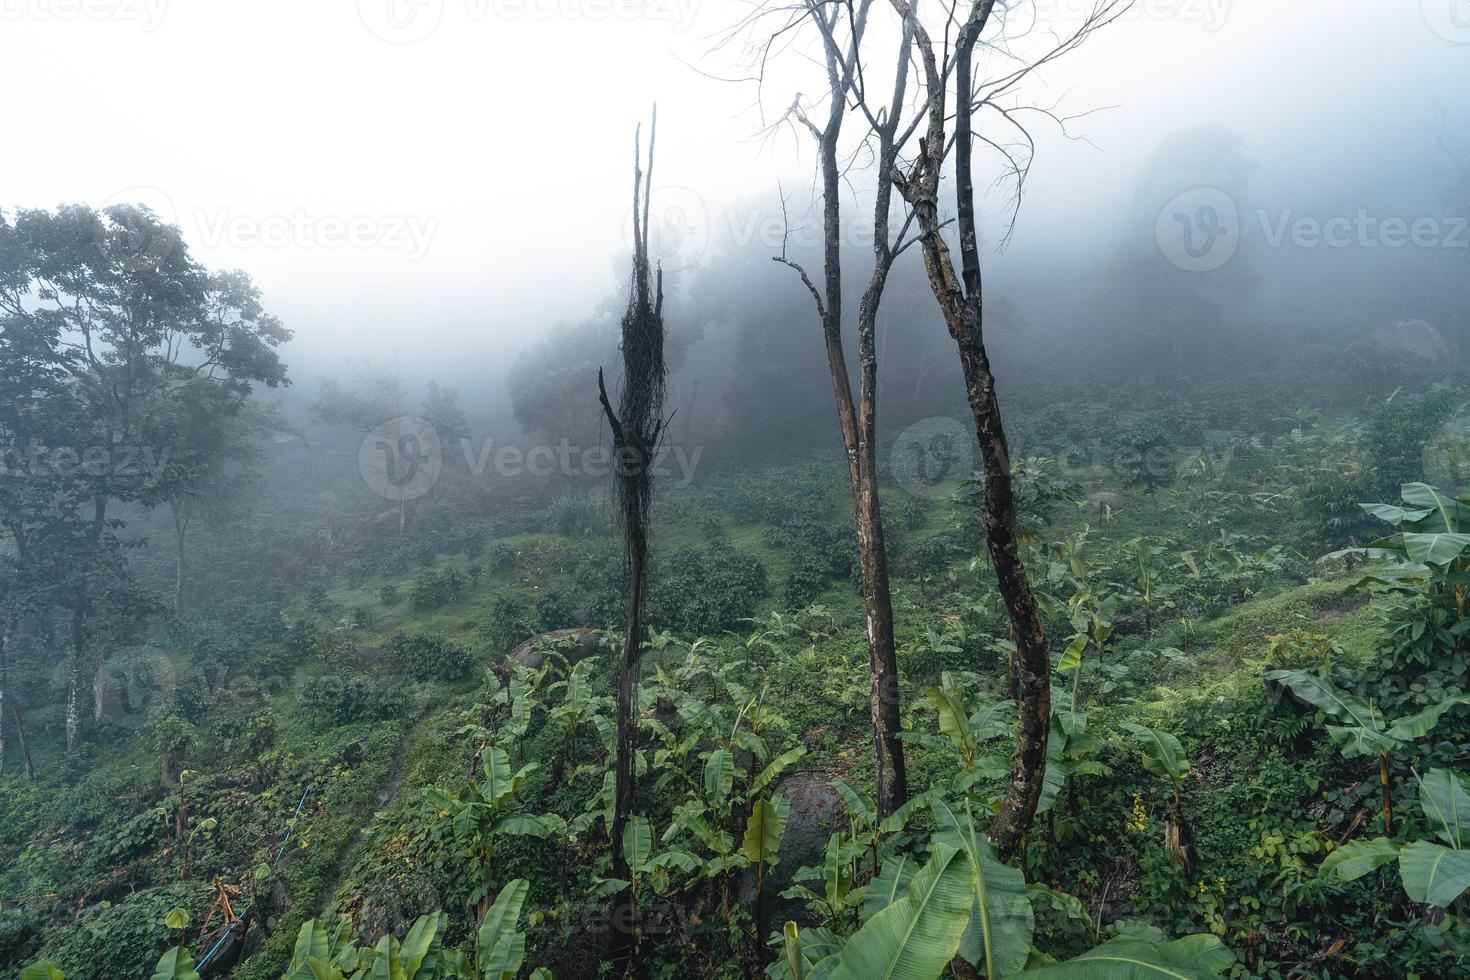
<point x="1069" y="752"/>
<point x="1146" y="578"/>
<point x="481" y="814"/>
<point x="968" y="729"/>
<point x="1433" y="542"/>
<point x="499" y="953"/>
<point x="1092" y="626"/>
<point x="1432" y="873"/>
<point x="176" y="964"/>
<point x="1164" y="757"/>
<point x="1362" y="730"/>
<point x="963" y="902"/>
<point x="841" y="897"/>
<point x="867" y="832"/>
<point x="579" y="707"/>
<point x="505" y="711"/>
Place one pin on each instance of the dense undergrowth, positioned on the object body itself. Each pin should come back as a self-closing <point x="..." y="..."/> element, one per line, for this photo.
<point x="1199" y="786"/>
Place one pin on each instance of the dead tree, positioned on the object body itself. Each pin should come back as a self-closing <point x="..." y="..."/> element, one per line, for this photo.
<point x="637" y="426"/>
<point x="960" y="298"/>
<point x="857" y="418"/>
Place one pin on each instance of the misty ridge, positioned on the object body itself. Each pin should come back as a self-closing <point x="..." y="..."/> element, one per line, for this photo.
<point x="675" y="488"/>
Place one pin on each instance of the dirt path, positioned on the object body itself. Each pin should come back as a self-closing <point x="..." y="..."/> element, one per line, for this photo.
<point x="385" y="799"/>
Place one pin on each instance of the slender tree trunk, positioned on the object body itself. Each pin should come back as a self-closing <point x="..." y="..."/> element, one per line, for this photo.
<point x="961" y="305"/>
<point x="637" y="425"/>
<point x="74" y="676"/>
<point x="857" y="418"/>
<point x="27" y="766"/>
<point x="181" y="529"/>
<point x="5" y="632"/>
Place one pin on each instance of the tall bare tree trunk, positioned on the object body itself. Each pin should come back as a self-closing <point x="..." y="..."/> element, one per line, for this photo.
<point x="74" y="675"/>
<point x="637" y="425"/>
<point x="180" y="509"/>
<point x="857" y="418"/>
<point x="5" y="632"/>
<point x="962" y="307"/>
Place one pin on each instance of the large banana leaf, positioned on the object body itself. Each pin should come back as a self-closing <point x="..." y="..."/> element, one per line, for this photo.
<point x="1352" y="861"/>
<point x="719" y="777"/>
<point x="1130" y="958"/>
<point x="1443" y="512"/>
<point x="500" y="947"/>
<point x="916" y="936"/>
<point x="388" y="960"/>
<point x="764" y="828"/>
<point x="890" y="885"/>
<point x="1421" y="723"/>
<point x="176" y="964"/>
<point x="44" y="970"/>
<point x="1162" y="753"/>
<point x="857" y="806"/>
<point x="1001" y="924"/>
<point x="637" y="845"/>
<point x="775" y="767"/>
<point x="1435" y="549"/>
<point x="1433" y="874"/>
<point x="1445" y="799"/>
<point x="312" y="942"/>
<point x="1328" y="698"/>
<point x="1356" y="741"/>
<point x="421" y="946"/>
<point x="954" y="720"/>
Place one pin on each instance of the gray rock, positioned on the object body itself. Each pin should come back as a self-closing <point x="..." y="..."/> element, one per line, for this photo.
<point x="530" y="653"/>
<point x="1417" y="337"/>
<point x="1099" y="502"/>
<point x="817" y="811"/>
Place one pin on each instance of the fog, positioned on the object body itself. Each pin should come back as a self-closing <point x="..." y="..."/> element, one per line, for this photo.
<point x="435" y="190"/>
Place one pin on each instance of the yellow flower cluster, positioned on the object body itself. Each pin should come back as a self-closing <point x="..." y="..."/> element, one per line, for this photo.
<point x="1139" y="823"/>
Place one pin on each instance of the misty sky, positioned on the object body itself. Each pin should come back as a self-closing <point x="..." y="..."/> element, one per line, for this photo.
<point x="477" y="152"/>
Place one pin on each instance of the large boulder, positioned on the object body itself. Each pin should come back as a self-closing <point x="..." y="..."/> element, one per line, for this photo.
<point x="580" y="643"/>
<point x="817" y="811"/>
<point x="1104" y="502"/>
<point x="1417" y="337"/>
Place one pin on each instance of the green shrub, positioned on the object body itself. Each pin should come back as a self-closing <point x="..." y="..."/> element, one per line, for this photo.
<point x="426" y="657"/>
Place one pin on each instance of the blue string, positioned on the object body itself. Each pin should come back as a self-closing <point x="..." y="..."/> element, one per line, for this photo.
<point x="279" y="854"/>
<point x="282" y="851"/>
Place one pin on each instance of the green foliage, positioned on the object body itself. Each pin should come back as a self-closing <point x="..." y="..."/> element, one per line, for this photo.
<point x="426" y="657"/>
<point x="437" y="588"/>
<point x="343" y="699"/>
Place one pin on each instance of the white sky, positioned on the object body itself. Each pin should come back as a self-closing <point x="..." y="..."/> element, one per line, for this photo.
<point x="483" y="151"/>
